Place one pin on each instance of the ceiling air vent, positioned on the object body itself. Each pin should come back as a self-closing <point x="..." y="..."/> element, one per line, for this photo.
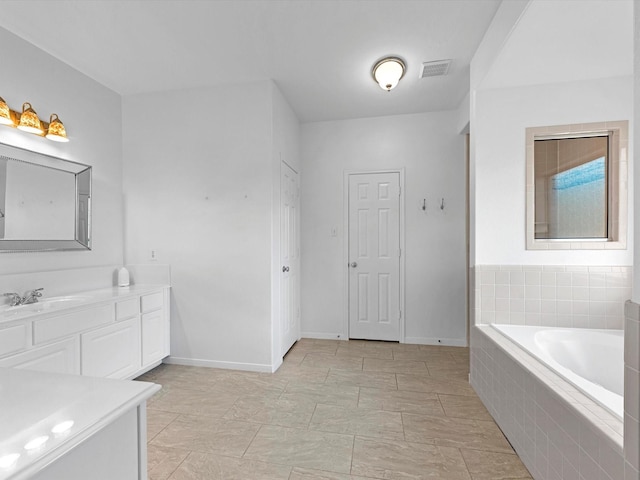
<point x="435" y="69"/>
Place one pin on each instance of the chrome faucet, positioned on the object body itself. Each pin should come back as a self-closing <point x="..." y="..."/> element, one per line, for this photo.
<point x="32" y="296"/>
<point x="14" y="299"/>
<point x="29" y="297"/>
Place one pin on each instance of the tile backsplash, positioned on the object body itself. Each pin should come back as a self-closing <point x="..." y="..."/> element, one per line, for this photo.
<point x="550" y="295"/>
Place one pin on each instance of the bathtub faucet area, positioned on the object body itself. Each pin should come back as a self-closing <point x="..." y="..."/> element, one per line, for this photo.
<point x="30" y="297"/>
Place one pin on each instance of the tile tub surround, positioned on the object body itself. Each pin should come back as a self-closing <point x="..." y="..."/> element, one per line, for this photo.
<point x="335" y="410"/>
<point x="557" y="432"/>
<point x="632" y="389"/>
<point x="552" y="296"/>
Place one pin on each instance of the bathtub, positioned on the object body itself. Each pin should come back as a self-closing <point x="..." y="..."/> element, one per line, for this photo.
<point x="591" y="360"/>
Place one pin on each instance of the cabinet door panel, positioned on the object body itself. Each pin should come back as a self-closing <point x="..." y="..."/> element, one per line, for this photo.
<point x="112" y="351"/>
<point x="59" y="357"/>
<point x="153" y="337"/>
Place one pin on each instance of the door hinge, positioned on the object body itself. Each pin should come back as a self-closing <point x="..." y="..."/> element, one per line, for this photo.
<point x="399" y="252"/>
<point x="400" y="315"/>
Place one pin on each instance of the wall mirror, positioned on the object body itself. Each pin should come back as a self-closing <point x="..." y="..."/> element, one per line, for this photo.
<point x="45" y="202"/>
<point x="577" y="186"/>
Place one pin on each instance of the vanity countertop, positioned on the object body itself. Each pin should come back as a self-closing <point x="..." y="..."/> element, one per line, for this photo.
<point x="47" y="305"/>
<point x="45" y="415"/>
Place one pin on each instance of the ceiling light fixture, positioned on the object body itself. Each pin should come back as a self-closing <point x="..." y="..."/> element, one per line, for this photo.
<point x="388" y="72"/>
<point x="28" y="121"/>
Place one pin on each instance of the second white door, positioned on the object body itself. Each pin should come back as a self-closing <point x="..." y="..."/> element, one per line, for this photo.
<point x="289" y="257"/>
<point x="374" y="256"/>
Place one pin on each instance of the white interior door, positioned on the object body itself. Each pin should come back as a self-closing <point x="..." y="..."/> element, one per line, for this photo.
<point x="289" y="257"/>
<point x="374" y="256"/>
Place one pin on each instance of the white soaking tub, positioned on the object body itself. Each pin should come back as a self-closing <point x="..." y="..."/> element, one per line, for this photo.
<point x="591" y="360"/>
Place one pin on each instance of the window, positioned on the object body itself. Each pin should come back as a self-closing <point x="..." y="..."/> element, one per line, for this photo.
<point x="576" y="186"/>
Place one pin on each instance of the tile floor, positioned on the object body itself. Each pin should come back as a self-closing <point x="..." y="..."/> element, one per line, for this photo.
<point x="335" y="410"/>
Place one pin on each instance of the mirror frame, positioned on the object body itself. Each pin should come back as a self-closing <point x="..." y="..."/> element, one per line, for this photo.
<point x="10" y="152"/>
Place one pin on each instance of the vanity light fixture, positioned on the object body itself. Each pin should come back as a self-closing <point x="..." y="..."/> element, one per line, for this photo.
<point x="5" y="113"/>
<point x="388" y="72"/>
<point x="56" y="131"/>
<point x="28" y="121"/>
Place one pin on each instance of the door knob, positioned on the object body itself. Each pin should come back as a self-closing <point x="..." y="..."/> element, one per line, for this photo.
<point x="285" y="269"/>
<point x="353" y="264"/>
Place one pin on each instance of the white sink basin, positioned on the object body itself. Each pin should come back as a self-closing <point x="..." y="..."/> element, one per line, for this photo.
<point x="42" y="305"/>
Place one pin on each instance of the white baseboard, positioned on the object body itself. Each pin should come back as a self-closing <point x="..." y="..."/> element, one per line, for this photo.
<point x="195" y="362"/>
<point x="448" y="342"/>
<point x="324" y="336"/>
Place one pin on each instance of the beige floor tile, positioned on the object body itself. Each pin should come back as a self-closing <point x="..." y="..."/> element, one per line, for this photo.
<point x="317" y="360"/>
<point x="249" y="383"/>
<point x="329" y="347"/>
<point x="394" y="366"/>
<point x="365" y="351"/>
<point x="427" y="383"/>
<point x="195" y="402"/>
<point x="207" y="435"/>
<point x="358" y="421"/>
<point x="183" y="377"/>
<point x="307" y="474"/>
<point x="157" y="420"/>
<point x="464" y="407"/>
<point x="362" y="379"/>
<point x="302" y="448"/>
<point x="400" y="401"/>
<point x="455" y="432"/>
<point x="200" y="466"/>
<point x="293" y="358"/>
<point x="302" y="373"/>
<point x="449" y="370"/>
<point x="163" y="461"/>
<point x="421" y="356"/>
<point x="361" y="388"/>
<point x="287" y="412"/>
<point x="443" y="349"/>
<point x="462" y="357"/>
<point x="344" y="395"/>
<point x="403" y="460"/>
<point x="494" y="466"/>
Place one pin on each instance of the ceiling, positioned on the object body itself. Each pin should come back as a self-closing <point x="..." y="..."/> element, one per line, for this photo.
<point x="319" y="52"/>
<point x="574" y="41"/>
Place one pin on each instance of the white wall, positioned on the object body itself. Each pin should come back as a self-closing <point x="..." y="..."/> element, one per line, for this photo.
<point x="502" y="115"/>
<point x="92" y="116"/>
<point x="430" y="149"/>
<point x="199" y="170"/>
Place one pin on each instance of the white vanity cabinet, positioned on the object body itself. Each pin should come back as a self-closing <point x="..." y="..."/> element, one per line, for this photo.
<point x="119" y="335"/>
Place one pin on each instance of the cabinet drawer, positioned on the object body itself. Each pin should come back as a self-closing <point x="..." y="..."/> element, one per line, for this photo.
<point x="150" y="302"/>
<point x="65" y="325"/>
<point x="127" y="309"/>
<point x="59" y="357"/>
<point x="13" y="339"/>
